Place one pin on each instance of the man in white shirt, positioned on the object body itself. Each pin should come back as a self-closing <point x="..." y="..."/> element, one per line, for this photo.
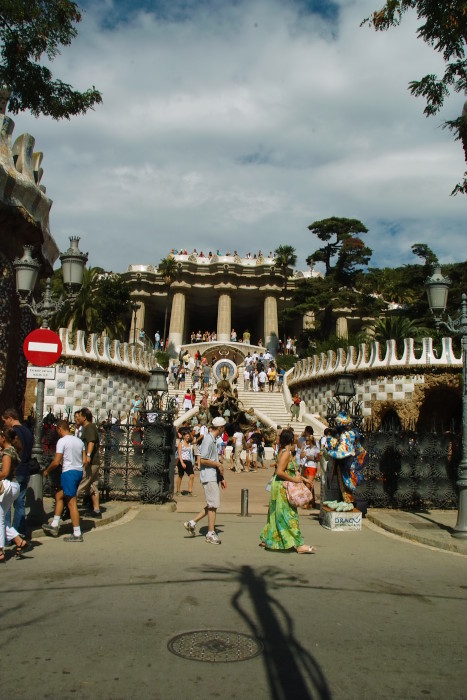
<point x="210" y="469"/>
<point x="262" y="379"/>
<point x="70" y="453"/>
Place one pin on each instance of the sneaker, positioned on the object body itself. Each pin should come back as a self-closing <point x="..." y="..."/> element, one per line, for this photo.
<point x="188" y="526"/>
<point x="49" y="530"/>
<point x="212" y="539"/>
<point x="94" y="513"/>
<point x="73" y="538"/>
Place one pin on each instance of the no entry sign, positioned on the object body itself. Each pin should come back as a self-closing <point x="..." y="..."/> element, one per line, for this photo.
<point x="42" y="347"/>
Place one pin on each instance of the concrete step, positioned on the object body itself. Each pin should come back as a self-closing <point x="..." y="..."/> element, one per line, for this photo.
<point x="270" y="403"/>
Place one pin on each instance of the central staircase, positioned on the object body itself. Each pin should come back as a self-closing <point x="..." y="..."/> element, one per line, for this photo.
<point x="270" y="404"/>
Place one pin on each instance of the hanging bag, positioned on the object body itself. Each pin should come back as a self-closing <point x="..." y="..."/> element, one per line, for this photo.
<point x="298" y="495"/>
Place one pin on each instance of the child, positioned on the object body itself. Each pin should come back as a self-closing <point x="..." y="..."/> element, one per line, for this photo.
<point x="309" y="456"/>
<point x="185" y="463"/>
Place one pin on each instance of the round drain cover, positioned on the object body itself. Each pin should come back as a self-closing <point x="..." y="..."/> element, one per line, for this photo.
<point x="215" y="645"/>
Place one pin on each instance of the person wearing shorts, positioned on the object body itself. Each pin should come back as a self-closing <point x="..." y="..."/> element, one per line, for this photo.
<point x="309" y="455"/>
<point x="185" y="463"/>
<point x="88" y="486"/>
<point x="70" y="453"/>
<point x="211" y="474"/>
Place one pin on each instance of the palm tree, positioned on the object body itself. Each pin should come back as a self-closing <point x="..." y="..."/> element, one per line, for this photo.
<point x="83" y="313"/>
<point x="396" y="328"/>
<point x="99" y="307"/>
<point x="168" y="269"/>
<point x="286" y="259"/>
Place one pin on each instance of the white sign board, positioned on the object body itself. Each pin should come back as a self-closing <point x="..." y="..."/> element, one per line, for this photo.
<point x="40" y="372"/>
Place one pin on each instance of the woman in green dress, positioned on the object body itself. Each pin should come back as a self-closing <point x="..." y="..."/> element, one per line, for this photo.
<point x="282" y="531"/>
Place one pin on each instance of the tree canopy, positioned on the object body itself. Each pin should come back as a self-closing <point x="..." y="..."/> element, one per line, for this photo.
<point x="30" y="30"/>
<point x="342" y="238"/>
<point x="101" y="306"/>
<point x="444" y="28"/>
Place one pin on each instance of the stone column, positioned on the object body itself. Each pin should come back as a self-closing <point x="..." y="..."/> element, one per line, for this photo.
<point x="342" y="330"/>
<point x="271" y="325"/>
<point x="308" y="320"/>
<point x="137" y="321"/>
<point x="224" y="317"/>
<point x="177" y="320"/>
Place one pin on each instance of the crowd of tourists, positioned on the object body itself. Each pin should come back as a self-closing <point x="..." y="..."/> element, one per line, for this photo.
<point x="73" y="472"/>
<point x="201" y="448"/>
<point x="296" y="463"/>
<point x="248" y="256"/>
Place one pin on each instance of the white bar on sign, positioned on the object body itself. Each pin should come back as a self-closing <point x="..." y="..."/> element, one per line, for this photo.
<point x="43" y="347"/>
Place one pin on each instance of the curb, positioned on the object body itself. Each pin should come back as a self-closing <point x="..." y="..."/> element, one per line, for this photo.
<point x="431" y="542"/>
<point x="37" y="534"/>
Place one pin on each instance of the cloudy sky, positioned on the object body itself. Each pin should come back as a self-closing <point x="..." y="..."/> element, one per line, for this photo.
<point x="237" y="123"/>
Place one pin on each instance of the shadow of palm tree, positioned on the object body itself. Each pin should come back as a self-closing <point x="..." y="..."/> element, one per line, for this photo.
<point x="291" y="669"/>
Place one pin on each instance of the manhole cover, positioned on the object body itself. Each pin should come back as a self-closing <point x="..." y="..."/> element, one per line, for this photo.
<point x="215" y="646"/>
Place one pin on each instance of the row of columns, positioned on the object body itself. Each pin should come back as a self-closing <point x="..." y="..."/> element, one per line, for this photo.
<point x="224" y="318"/>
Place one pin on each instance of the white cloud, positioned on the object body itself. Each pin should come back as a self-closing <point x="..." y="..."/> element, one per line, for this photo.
<point x="240" y="126"/>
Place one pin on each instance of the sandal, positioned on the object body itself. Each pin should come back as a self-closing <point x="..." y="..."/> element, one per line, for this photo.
<point x="310" y="550"/>
<point x="20" y="548"/>
<point x="2" y="556"/>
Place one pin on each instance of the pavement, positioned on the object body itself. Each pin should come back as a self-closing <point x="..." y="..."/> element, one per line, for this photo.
<point x="371" y="615"/>
<point x="432" y="527"/>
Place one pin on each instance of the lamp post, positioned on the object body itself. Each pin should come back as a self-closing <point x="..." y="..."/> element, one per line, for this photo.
<point x="134" y="307"/>
<point x="344" y="400"/>
<point x="437" y="288"/>
<point x="157" y="422"/>
<point x="27" y="270"/>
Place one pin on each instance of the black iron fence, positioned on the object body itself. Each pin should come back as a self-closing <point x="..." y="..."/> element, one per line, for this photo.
<point x="406" y="468"/>
<point x="137" y="460"/>
<point x="410" y="469"/>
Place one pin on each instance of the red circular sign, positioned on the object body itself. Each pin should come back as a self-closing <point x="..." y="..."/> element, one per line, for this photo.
<point x="42" y="347"/>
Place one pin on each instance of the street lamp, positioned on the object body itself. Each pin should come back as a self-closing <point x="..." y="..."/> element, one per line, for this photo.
<point x="344" y="400"/>
<point x="27" y="270"/>
<point x="135" y="308"/>
<point x="157" y="424"/>
<point x="437" y="288"/>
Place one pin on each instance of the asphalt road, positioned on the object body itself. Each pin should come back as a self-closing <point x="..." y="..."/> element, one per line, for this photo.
<point x="369" y="616"/>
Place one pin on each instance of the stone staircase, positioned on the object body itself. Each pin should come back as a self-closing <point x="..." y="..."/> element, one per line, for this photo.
<point x="270" y="404"/>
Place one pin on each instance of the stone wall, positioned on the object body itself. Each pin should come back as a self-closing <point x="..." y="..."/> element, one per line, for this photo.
<point x="94" y="372"/>
<point x="383" y="380"/>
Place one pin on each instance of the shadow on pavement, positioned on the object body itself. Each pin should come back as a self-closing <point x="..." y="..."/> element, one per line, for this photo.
<point x="291" y="670"/>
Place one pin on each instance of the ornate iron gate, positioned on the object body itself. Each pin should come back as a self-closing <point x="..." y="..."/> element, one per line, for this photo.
<point x="409" y="469"/>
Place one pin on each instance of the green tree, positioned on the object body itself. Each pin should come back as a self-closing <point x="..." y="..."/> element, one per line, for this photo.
<point x="443" y="26"/>
<point x="286" y="259"/>
<point x="397" y="328"/>
<point x="101" y="305"/>
<point x="30" y="29"/>
<point x="342" y="239"/>
<point x="168" y="269"/>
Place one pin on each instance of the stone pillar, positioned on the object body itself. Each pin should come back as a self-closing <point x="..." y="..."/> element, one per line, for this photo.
<point x="308" y="320"/>
<point x="224" y="317"/>
<point x="137" y="321"/>
<point x="177" y="320"/>
<point x="342" y="330"/>
<point x="271" y="325"/>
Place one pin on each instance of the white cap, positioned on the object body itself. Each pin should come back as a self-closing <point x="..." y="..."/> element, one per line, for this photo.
<point x="218" y="422"/>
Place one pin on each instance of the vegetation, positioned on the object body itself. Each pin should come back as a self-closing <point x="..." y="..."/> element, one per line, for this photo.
<point x="168" y="269"/>
<point x="28" y="30"/>
<point x="444" y="28"/>
<point x="396" y="297"/>
<point x="101" y="306"/>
